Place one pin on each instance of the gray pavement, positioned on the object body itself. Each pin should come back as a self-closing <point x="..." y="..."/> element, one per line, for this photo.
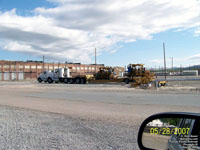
<point x="94" y="116"/>
<point x="122" y="97"/>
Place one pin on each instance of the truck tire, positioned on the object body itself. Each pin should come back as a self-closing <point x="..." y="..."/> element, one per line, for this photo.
<point x="65" y="80"/>
<point x="78" y="80"/>
<point x="71" y="81"/>
<point x="83" y="81"/>
<point x="127" y="81"/>
<point x="39" y="80"/>
<point x="50" y="80"/>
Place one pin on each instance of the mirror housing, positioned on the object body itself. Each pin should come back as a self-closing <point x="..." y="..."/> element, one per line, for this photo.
<point x="175" y="115"/>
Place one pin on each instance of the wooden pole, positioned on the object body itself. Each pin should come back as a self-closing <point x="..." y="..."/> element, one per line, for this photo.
<point x="172" y="63"/>
<point x="95" y="60"/>
<point x="164" y="61"/>
<point x="43" y="64"/>
<point x="53" y="67"/>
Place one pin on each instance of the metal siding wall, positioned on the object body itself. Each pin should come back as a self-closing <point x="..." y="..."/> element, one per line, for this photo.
<point x="6" y="76"/>
<point x="13" y="76"/>
<point x="190" y="73"/>
<point x="21" y="76"/>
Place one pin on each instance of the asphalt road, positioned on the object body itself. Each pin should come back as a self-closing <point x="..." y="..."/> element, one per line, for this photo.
<point x="122" y="97"/>
<point x="59" y="116"/>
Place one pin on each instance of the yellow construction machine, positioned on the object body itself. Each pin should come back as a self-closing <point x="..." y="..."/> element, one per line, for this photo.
<point x="138" y="75"/>
<point x="104" y="73"/>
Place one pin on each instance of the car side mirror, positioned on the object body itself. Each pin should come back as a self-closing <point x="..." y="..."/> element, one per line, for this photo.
<point x="170" y="131"/>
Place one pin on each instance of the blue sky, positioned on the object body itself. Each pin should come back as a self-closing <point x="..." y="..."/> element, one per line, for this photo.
<point x="178" y="45"/>
<point x="123" y="33"/>
<point x="24" y="5"/>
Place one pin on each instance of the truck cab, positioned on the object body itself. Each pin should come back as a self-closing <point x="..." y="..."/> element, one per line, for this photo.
<point x="60" y="75"/>
<point x="53" y="76"/>
<point x="44" y="76"/>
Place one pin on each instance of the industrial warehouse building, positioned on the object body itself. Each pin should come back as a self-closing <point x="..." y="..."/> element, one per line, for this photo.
<point x="19" y="70"/>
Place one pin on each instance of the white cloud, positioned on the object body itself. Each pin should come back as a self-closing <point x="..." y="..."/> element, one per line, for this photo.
<point x="194" y="57"/>
<point x="157" y="61"/>
<point x="197" y="32"/>
<point x="72" y="29"/>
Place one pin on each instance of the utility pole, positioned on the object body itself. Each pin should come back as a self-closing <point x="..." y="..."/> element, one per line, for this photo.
<point x="43" y="64"/>
<point x="164" y="61"/>
<point x="172" y="63"/>
<point x="95" y="60"/>
<point x="180" y="68"/>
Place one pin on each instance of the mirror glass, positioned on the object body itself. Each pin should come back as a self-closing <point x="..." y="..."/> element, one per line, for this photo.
<point x="172" y="134"/>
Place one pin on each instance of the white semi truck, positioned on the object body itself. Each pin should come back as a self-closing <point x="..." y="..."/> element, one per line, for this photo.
<point x="61" y="75"/>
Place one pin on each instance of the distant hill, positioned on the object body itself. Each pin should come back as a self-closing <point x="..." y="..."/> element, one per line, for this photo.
<point x="193" y="67"/>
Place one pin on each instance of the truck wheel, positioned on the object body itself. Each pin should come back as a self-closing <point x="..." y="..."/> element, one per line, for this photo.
<point x="65" y="81"/>
<point x="50" y="80"/>
<point x="71" y="81"/>
<point x="83" y="81"/>
<point x="39" y="80"/>
<point x="126" y="81"/>
<point x="78" y="80"/>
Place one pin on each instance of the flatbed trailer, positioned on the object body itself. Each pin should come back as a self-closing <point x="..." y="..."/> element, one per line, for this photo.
<point x="101" y="81"/>
<point x="73" y="80"/>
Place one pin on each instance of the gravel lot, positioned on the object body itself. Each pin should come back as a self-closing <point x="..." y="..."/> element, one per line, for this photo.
<point x="26" y="129"/>
<point x="59" y="116"/>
